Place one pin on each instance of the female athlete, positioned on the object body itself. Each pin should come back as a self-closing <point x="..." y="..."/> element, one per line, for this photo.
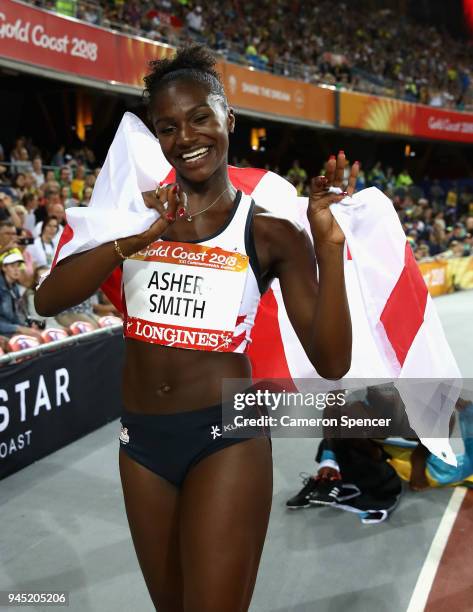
<point x="198" y="503"/>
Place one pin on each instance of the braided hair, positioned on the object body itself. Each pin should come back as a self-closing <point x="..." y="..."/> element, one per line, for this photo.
<point x="195" y="62"/>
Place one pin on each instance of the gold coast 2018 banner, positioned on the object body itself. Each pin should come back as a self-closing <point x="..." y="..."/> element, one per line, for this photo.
<point x="34" y="37"/>
<point x="376" y="114"/>
<point x="447" y="275"/>
<point x="39" y="38"/>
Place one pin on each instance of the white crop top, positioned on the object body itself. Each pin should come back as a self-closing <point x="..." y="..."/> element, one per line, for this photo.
<point x="200" y="295"/>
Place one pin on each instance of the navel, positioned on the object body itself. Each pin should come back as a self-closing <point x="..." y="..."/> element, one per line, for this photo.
<point x="163" y="389"/>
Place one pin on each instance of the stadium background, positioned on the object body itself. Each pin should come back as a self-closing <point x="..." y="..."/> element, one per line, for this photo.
<point x="76" y="95"/>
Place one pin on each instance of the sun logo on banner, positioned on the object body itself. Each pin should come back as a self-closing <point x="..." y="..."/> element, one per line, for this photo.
<point x="392" y="116"/>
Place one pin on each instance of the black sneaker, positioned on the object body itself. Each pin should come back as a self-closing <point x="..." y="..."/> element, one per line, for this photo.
<point x="301" y="500"/>
<point x="333" y="491"/>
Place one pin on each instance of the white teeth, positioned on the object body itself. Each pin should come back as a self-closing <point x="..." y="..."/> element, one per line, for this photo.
<point x="198" y="153"/>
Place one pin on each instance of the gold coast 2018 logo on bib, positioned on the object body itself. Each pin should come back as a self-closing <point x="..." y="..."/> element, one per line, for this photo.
<point x="184" y="295"/>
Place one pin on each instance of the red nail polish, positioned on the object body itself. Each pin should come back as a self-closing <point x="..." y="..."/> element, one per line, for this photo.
<point x="161" y="183"/>
<point x="181" y="212"/>
<point x="344" y="193"/>
<point x="170" y="217"/>
<point x="341" y="152"/>
<point x="175" y="188"/>
<point x="332" y="157"/>
<point x="357" y="162"/>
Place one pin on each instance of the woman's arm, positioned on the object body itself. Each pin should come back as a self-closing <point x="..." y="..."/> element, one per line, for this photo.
<point x="317" y="309"/>
<point x="77" y="277"/>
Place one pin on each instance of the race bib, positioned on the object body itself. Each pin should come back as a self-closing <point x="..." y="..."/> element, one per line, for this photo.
<point x="184" y="295"/>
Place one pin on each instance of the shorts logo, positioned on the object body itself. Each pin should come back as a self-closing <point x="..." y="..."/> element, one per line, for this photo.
<point x="215" y="431"/>
<point x="124" y="437"/>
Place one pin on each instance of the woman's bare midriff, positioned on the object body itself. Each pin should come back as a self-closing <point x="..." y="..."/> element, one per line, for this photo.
<point x="160" y="379"/>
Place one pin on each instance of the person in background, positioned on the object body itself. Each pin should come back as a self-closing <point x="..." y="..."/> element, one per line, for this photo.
<point x="44" y="246"/>
<point x="404" y="179"/>
<point x="78" y="184"/>
<point x="66" y="197"/>
<point x="28" y="300"/>
<point x="8" y="239"/>
<point x="7" y="210"/>
<point x="38" y="174"/>
<point x="24" y="240"/>
<point x="54" y="208"/>
<point x="376" y="176"/>
<point x="20" y="189"/>
<point x="15" y="154"/>
<point x="30" y="203"/>
<point x="87" y="195"/>
<point x="13" y="318"/>
<point x="58" y="158"/>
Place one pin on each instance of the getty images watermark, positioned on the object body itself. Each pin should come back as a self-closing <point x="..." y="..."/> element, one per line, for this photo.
<point x="306" y="408"/>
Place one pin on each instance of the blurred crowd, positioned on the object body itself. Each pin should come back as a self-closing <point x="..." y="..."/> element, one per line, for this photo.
<point x="33" y="201"/>
<point x="324" y="42"/>
<point x="437" y="217"/>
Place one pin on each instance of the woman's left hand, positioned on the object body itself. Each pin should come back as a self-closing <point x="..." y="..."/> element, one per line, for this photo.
<point x="325" y="228"/>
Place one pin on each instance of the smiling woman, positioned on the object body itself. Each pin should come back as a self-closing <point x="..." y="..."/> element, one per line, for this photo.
<point x="197" y="502"/>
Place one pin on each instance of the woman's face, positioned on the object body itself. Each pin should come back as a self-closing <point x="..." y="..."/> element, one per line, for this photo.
<point x="20" y="180"/>
<point x="50" y="229"/>
<point x="192" y="126"/>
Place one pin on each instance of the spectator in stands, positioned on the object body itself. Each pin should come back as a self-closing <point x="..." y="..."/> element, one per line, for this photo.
<point x="20" y="211"/>
<point x="66" y="197"/>
<point x="38" y="174"/>
<point x="15" y="154"/>
<point x="24" y="241"/>
<point x="20" y="189"/>
<point x="13" y="319"/>
<point x="194" y="21"/>
<point x="404" y="179"/>
<point x="30" y="203"/>
<point x="65" y="176"/>
<point x="86" y="198"/>
<point x="28" y="301"/>
<point x="90" y="181"/>
<point x="78" y="184"/>
<point x="376" y="176"/>
<point x="44" y="246"/>
<point x="56" y="210"/>
<point x="58" y="158"/>
<point x="7" y="210"/>
<point x="8" y="239"/>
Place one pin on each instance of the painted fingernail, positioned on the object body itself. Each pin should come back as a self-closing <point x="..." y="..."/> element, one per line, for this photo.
<point x="332" y="157"/>
<point x="161" y="183"/>
<point x="181" y="212"/>
<point x="357" y="162"/>
<point x="344" y="193"/>
<point x="175" y="188"/>
<point x="341" y="152"/>
<point x="170" y="217"/>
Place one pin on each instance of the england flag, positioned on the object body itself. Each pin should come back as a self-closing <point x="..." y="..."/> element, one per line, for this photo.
<point x="397" y="334"/>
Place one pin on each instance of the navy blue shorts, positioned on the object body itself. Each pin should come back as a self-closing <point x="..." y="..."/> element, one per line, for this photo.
<point x="170" y="444"/>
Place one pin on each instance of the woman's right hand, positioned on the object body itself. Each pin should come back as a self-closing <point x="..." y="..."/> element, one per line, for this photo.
<point x="169" y="202"/>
